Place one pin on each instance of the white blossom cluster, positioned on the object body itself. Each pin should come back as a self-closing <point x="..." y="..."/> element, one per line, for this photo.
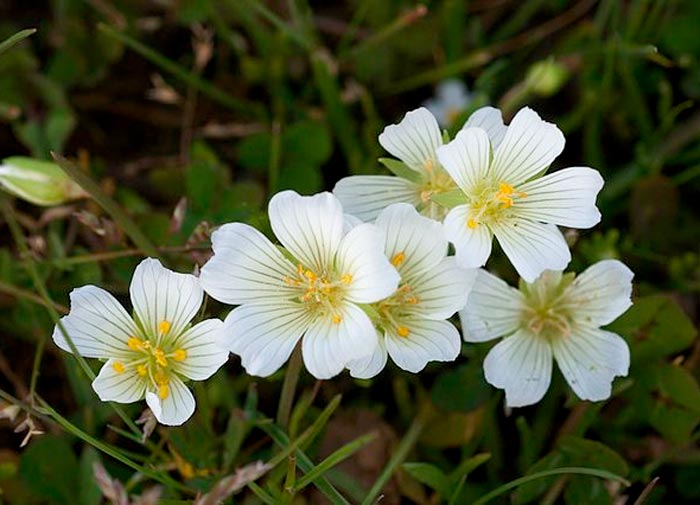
<point x="365" y="273"/>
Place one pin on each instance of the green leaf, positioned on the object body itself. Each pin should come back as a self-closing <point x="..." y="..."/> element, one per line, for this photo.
<point x="400" y="169"/>
<point x="450" y="199"/>
<point x="461" y="390"/>
<point x="38" y="469"/>
<point x="430" y="475"/>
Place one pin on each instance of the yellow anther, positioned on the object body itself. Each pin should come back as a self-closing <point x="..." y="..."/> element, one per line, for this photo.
<point x="403" y="331"/>
<point x="180" y="355"/>
<point x="346" y="278"/>
<point x="163" y="391"/>
<point x="398" y="258"/>
<point x="505" y="194"/>
<point x="337" y="318"/>
<point x="135" y="344"/>
<point x="311" y="276"/>
<point x="159" y="355"/>
<point x="300" y="269"/>
<point x="472" y="223"/>
<point x="163" y="327"/>
<point x="142" y="370"/>
<point x="118" y="367"/>
<point x="412" y="300"/>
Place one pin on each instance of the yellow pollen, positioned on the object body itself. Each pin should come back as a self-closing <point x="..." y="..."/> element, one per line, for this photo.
<point x="135" y="344"/>
<point x="159" y="355"/>
<point x="118" y="367"/>
<point x="336" y="319"/>
<point x="163" y="327"/>
<point x="180" y="355"/>
<point x="346" y="279"/>
<point x="403" y="331"/>
<point x="505" y="194"/>
<point x="311" y="276"/>
<point x="472" y="223"/>
<point x="398" y="258"/>
<point x="163" y="391"/>
<point x="412" y="300"/>
<point x="142" y="370"/>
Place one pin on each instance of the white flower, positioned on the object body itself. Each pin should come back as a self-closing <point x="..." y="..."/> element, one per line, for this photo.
<point x="149" y="354"/>
<point x="507" y="196"/>
<point x="556" y="317"/>
<point x="414" y="141"/>
<point x="451" y="98"/>
<point x="432" y="288"/>
<point x="312" y="289"/>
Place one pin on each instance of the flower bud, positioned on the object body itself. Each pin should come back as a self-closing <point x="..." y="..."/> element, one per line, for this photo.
<point x="546" y="77"/>
<point x="37" y="181"/>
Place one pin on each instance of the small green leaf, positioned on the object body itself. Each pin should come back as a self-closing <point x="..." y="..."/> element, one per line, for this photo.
<point x="450" y="199"/>
<point x="55" y="483"/>
<point x="430" y="475"/>
<point x="400" y="169"/>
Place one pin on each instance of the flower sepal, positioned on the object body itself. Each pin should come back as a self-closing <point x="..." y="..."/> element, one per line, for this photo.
<point x="450" y="199"/>
<point x="400" y="169"/>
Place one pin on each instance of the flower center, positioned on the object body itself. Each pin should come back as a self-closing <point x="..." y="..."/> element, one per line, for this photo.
<point x="549" y="323"/>
<point x="152" y="361"/>
<point x="547" y="312"/>
<point x="436" y="181"/>
<point x="320" y="292"/>
<point x="393" y="310"/>
<point x="491" y="204"/>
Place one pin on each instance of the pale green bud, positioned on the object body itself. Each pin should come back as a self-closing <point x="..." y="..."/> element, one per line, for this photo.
<point x="37" y="181"/>
<point x="546" y="77"/>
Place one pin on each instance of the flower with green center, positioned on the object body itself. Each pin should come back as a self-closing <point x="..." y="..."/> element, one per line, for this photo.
<point x="556" y="317"/>
<point x="313" y="288"/>
<point x="414" y="141"/>
<point x="507" y="196"/>
<point x="149" y="354"/>
<point x="413" y="325"/>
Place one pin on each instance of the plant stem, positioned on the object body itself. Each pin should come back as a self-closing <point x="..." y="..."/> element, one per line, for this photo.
<point x="407" y="443"/>
<point x="291" y="378"/>
<point x="16" y="292"/>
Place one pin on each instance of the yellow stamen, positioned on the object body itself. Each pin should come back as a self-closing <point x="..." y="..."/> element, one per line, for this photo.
<point x="163" y="327"/>
<point x="472" y="223"/>
<point x="163" y="391"/>
<point x="403" y="331"/>
<point x="505" y="194"/>
<point x="398" y="258"/>
<point x="136" y="344"/>
<point x="180" y="355"/>
<point x="346" y="279"/>
<point x="337" y="318"/>
<point x="118" y="367"/>
<point x="159" y="355"/>
<point x="142" y="370"/>
<point x="412" y="300"/>
<point x="311" y="276"/>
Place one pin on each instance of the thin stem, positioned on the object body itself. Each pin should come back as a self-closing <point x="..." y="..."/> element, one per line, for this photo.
<point x="291" y="378"/>
<point x="407" y="443"/>
<point x="14" y="39"/>
<point x="16" y="292"/>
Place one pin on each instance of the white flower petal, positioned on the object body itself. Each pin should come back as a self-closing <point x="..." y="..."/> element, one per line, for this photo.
<point x="365" y="196"/>
<point x="246" y="267"/>
<point x="309" y="227"/>
<point x="414" y="140"/>
<point x="205" y="355"/>
<point x="472" y="245"/>
<point x="529" y="146"/>
<point x="427" y="341"/>
<point x="97" y="324"/>
<point x="125" y="387"/>
<point x="590" y="359"/>
<point x="566" y="197"/>
<point x="532" y="247"/>
<point x="264" y="335"/>
<point x="467" y="158"/>
<point x="361" y="256"/>
<point x="522" y="365"/>
<point x="177" y="408"/>
<point x="419" y="240"/>
<point x="493" y="309"/>
<point x="490" y="120"/>
<point x="328" y="347"/>
<point x="601" y="293"/>
<point x="159" y="294"/>
<point x="366" y="368"/>
<point x="443" y="290"/>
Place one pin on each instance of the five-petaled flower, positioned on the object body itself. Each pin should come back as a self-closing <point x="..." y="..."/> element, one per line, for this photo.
<point x="506" y="195"/>
<point x="556" y="317"/>
<point x="432" y="288"/>
<point x="414" y="141"/>
<point x="312" y="289"/>
<point x="149" y="354"/>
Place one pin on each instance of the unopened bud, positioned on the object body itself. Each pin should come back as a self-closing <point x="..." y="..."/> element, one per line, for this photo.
<point x="37" y="181"/>
<point x="546" y="77"/>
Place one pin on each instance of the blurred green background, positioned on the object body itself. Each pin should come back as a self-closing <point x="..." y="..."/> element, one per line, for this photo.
<point x="191" y="113"/>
